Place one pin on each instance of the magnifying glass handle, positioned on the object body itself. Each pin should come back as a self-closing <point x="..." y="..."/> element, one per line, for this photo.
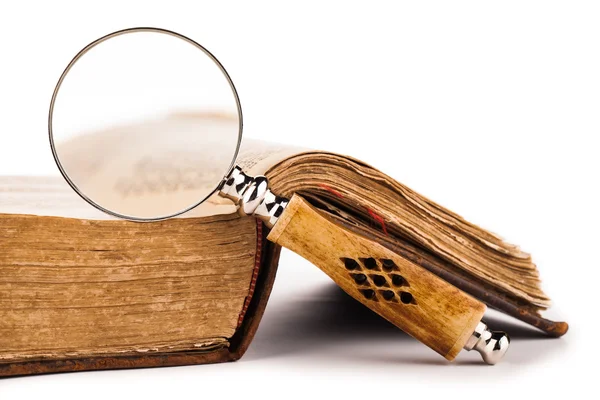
<point x="415" y="300"/>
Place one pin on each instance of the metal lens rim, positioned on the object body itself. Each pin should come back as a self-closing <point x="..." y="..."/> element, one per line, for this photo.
<point x="65" y="73"/>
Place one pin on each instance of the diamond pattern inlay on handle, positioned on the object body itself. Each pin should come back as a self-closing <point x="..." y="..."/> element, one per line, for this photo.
<point x="379" y="279"/>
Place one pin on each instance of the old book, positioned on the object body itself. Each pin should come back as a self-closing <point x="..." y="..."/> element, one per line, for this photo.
<point x="81" y="290"/>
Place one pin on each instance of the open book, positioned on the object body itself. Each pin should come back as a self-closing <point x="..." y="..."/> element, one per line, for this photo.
<point x="80" y="285"/>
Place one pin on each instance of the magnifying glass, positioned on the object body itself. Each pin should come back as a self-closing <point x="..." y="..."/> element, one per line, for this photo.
<point x="144" y="74"/>
<point x="133" y="171"/>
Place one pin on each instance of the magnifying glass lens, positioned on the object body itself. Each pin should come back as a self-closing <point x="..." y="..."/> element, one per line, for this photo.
<point x="144" y="124"/>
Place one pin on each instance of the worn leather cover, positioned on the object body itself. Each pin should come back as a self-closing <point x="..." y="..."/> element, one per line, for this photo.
<point x="267" y="260"/>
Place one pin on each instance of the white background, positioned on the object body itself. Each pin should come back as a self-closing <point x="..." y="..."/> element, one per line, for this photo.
<point x="491" y="109"/>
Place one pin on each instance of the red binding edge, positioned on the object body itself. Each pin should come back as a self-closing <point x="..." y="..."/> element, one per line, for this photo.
<point x="378" y="218"/>
<point x="331" y="190"/>
<point x="257" y="260"/>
